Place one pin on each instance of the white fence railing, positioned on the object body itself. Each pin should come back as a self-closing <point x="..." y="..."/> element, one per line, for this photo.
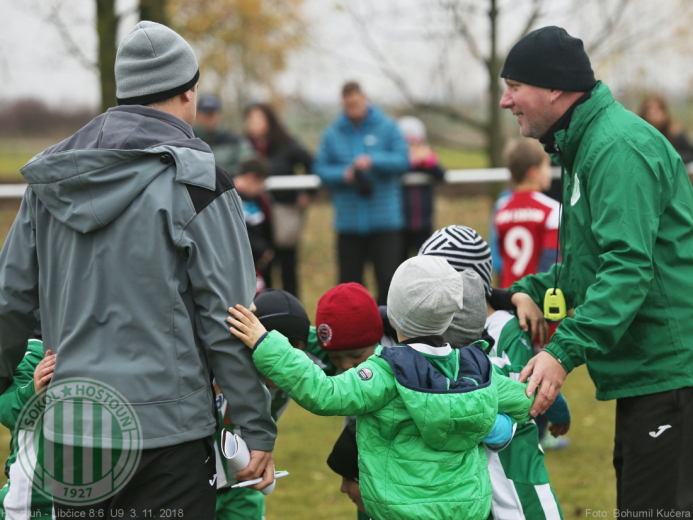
<point x="309" y="182"/>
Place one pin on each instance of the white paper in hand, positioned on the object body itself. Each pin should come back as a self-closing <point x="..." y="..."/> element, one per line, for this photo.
<point x="235" y="449"/>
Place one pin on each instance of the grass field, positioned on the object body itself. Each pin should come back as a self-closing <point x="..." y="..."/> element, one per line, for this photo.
<point x="582" y="475"/>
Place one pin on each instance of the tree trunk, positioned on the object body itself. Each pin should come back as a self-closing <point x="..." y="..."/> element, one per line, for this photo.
<point x="154" y="11"/>
<point x="495" y="123"/>
<point x="107" y="29"/>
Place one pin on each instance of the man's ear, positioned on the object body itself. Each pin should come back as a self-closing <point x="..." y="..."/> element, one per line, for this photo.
<point x="555" y="95"/>
<point x="186" y="96"/>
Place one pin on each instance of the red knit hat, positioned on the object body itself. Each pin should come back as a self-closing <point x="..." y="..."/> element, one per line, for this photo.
<point x="348" y="318"/>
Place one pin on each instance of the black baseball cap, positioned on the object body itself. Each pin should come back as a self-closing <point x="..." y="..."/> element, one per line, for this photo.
<point x="281" y="311"/>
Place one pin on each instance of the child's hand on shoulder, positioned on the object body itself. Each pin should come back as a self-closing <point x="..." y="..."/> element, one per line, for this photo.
<point x="44" y="371"/>
<point x="246" y="326"/>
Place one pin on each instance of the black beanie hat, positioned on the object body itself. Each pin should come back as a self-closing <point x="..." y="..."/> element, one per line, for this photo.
<point x="281" y="311"/>
<point x="550" y="58"/>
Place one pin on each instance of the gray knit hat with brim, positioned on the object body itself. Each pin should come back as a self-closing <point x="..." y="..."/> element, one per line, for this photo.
<point x="153" y="63"/>
<point x="425" y="293"/>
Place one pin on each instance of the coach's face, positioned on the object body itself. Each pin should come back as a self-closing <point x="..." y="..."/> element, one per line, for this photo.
<point x="531" y="105"/>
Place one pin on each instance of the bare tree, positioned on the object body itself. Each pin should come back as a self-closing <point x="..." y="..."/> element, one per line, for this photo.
<point x="107" y="22"/>
<point x="459" y="22"/>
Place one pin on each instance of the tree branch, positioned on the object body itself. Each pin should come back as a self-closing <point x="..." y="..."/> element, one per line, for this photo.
<point x="537" y="6"/>
<point x="383" y="63"/>
<point x="72" y="48"/>
<point x="463" y="29"/>
<point x="401" y="84"/>
<point x="611" y="21"/>
<point x="452" y="113"/>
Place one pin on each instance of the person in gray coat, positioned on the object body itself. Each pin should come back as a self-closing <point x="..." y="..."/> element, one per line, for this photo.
<point x="132" y="243"/>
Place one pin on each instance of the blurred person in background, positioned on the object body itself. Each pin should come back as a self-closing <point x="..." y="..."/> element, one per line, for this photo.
<point x="257" y="212"/>
<point x="361" y="159"/>
<point x="418" y="199"/>
<point x="284" y="154"/>
<point x="655" y="110"/>
<point x="229" y="149"/>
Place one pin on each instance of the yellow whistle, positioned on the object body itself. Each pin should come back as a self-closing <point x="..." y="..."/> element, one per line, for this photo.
<point x="554" y="305"/>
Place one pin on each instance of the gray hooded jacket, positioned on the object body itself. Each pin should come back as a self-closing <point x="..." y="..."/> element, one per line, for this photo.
<point x="133" y="245"/>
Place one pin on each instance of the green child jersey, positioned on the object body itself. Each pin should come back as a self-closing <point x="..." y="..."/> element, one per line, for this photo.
<point x="18" y="499"/>
<point x="519" y="478"/>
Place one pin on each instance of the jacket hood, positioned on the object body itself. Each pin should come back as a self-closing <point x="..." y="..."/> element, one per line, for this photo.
<point x="452" y="414"/>
<point x="86" y="186"/>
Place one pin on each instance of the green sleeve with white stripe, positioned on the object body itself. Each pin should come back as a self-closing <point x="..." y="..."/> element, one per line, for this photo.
<point x="21" y="390"/>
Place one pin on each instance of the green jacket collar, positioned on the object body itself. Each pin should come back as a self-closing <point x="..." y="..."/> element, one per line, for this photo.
<point x="569" y="139"/>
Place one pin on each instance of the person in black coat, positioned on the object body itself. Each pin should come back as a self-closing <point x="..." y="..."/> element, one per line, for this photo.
<point x="284" y="154"/>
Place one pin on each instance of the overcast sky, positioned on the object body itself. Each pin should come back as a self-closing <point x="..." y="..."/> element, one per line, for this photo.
<point x="34" y="61"/>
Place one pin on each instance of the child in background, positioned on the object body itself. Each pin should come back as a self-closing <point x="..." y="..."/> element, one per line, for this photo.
<point x="418" y="200"/>
<point x="250" y="185"/>
<point x="519" y="477"/>
<point x="423" y="408"/>
<point x="18" y="498"/>
<point x="281" y="311"/>
<point x="344" y="346"/>
<point x="526" y="222"/>
<point x="344" y="461"/>
<point x="348" y="326"/>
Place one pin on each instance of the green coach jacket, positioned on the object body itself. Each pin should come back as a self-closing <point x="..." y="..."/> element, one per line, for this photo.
<point x="627" y="242"/>
<point x="418" y="431"/>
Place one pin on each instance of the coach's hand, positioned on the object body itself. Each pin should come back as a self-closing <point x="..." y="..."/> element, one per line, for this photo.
<point x="261" y="465"/>
<point x="531" y="318"/>
<point x="547" y="374"/>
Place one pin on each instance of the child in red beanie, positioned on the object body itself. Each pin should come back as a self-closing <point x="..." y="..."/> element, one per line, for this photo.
<point x="339" y="309"/>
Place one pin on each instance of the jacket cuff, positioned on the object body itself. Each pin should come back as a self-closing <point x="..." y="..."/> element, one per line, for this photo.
<point x="561" y="356"/>
<point x="257" y="343"/>
<point x="257" y="444"/>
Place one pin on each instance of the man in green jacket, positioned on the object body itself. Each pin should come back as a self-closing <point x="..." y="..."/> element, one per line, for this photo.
<point x="627" y="242"/>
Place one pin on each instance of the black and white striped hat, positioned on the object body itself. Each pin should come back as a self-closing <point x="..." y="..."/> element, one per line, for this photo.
<point x="463" y="248"/>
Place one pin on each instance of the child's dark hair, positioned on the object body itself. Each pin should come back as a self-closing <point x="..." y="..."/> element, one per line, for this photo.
<point x="522" y="154"/>
<point x="259" y="167"/>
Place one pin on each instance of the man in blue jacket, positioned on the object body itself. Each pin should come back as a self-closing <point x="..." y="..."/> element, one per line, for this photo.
<point x="361" y="159"/>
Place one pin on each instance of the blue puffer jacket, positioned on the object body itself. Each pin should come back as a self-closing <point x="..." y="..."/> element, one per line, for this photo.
<point x="379" y="137"/>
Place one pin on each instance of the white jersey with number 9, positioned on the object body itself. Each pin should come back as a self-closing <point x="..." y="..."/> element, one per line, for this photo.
<point x="519" y="245"/>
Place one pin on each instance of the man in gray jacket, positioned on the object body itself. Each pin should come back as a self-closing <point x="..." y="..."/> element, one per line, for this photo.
<point x="133" y="245"/>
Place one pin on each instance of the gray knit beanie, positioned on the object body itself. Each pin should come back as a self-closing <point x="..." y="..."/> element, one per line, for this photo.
<point x="468" y="324"/>
<point x="425" y="293"/>
<point x="153" y="63"/>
